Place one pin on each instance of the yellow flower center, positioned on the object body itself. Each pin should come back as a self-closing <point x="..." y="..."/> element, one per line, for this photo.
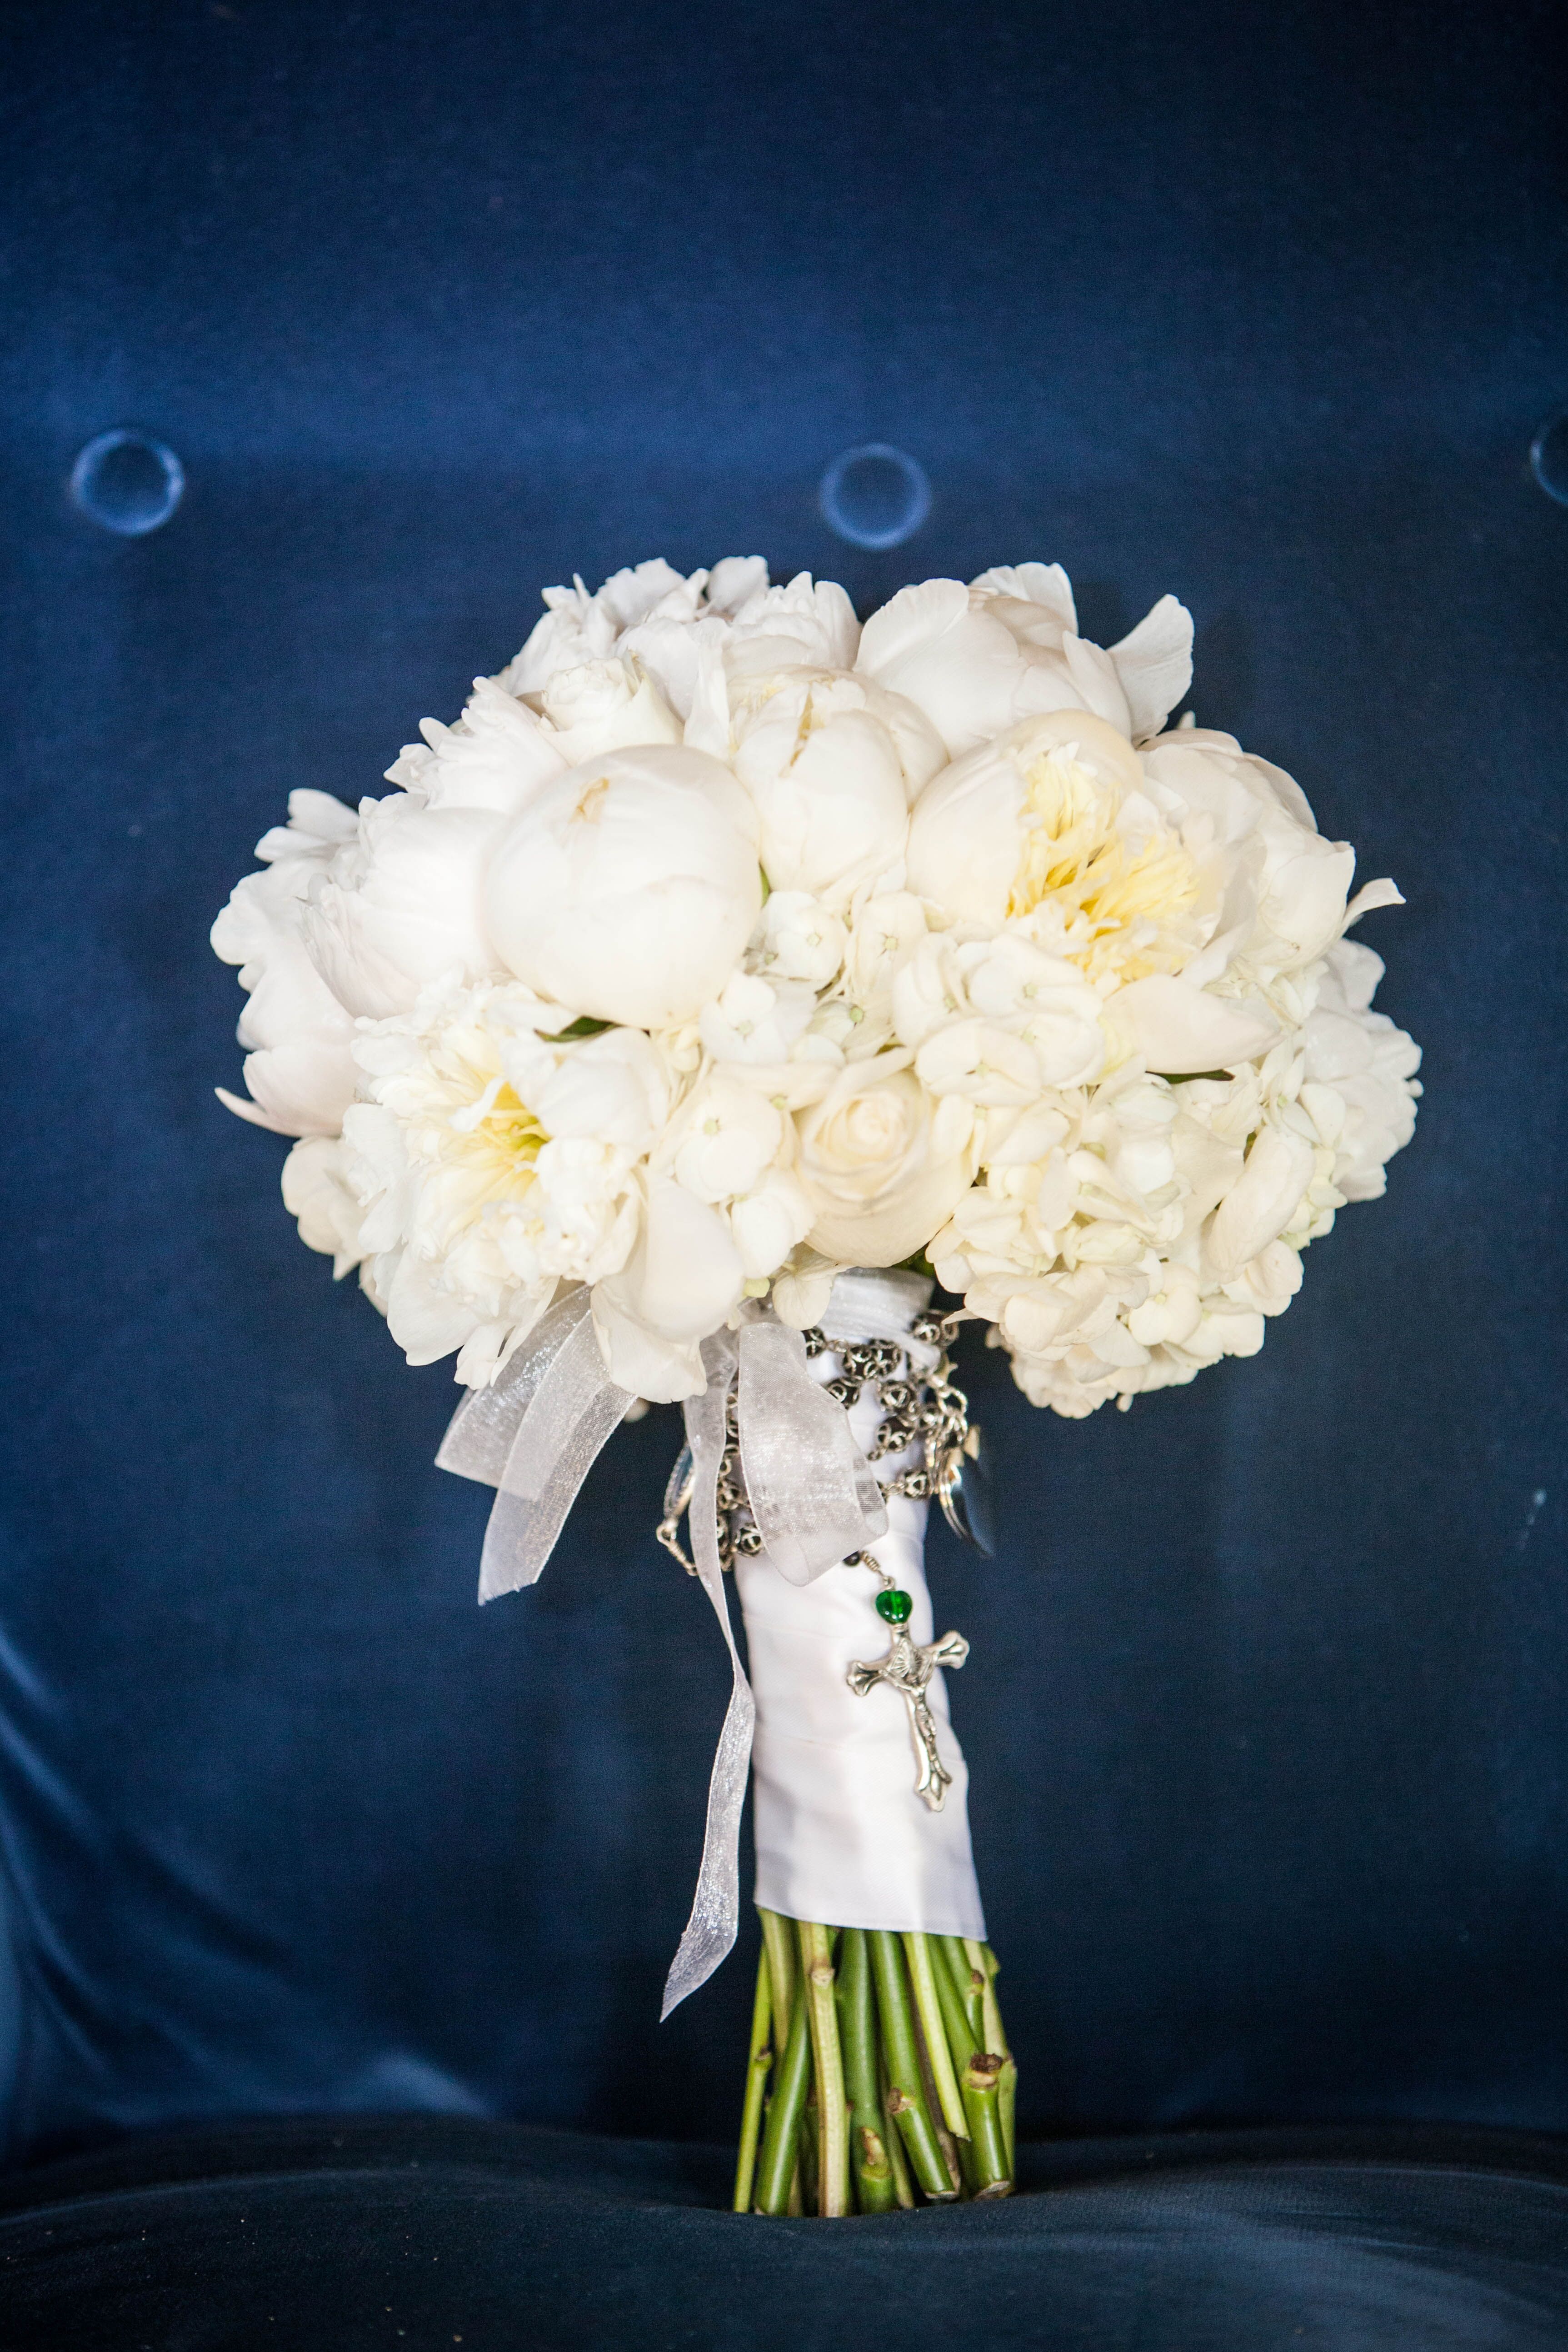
<point x="1121" y="911"/>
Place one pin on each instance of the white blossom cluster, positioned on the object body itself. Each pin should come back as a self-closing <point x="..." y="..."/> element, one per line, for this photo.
<point x="723" y="943"/>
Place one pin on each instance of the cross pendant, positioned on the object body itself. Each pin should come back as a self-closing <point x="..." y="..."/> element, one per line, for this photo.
<point x="908" y="1669"/>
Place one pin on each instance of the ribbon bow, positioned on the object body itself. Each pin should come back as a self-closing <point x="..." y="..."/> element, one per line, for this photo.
<point x="536" y="1434"/>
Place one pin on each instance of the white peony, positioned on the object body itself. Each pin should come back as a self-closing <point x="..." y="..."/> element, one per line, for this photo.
<point x="978" y="660"/>
<point x="495" y="757"/>
<point x="628" y="888"/>
<point x="831" y="780"/>
<point x="297" y="1034"/>
<point x="402" y="904"/>
<point x="721" y="944"/>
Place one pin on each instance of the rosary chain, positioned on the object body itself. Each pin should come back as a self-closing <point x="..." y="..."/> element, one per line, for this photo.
<point x="918" y="1406"/>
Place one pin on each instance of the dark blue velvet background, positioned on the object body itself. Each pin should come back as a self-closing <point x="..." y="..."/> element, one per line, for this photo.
<point x="1267" y="1710"/>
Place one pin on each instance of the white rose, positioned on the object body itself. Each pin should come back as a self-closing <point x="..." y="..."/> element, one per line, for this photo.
<point x="628" y="888"/>
<point x="869" y="1161"/>
<point x="829" y="787"/>
<point x="402" y="905"/>
<point x="299" y="1066"/>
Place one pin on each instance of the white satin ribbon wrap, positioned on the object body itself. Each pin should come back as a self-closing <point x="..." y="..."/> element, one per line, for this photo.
<point x="840" y="1834"/>
<point x="825" y="1772"/>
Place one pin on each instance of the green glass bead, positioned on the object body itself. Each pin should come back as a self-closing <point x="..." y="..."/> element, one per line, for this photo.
<point x="895" y="1608"/>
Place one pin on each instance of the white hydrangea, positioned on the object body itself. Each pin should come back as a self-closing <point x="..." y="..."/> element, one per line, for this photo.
<point x="721" y="943"/>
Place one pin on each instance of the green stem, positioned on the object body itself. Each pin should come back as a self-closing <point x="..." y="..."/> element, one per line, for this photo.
<point x="761" y="2058"/>
<point x="928" y="2001"/>
<point x="906" y="2093"/>
<point x="970" y="1982"/>
<point x="810" y="2148"/>
<point x="985" y="1958"/>
<point x="903" y="2185"/>
<point x="874" y="2187"/>
<point x="1006" y="2102"/>
<point x="778" y="1938"/>
<point x="982" y="1958"/>
<point x="987" y="2171"/>
<point x="981" y="2084"/>
<point x="833" y="2119"/>
<point x="781" y="2138"/>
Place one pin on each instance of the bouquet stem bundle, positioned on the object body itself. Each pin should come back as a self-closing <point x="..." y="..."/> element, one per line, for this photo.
<point x="890" y="2075"/>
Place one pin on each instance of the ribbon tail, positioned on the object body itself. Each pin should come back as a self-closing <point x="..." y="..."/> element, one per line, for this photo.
<point x="575" y="1410"/>
<point x="480" y="1433"/>
<point x="715" y="1919"/>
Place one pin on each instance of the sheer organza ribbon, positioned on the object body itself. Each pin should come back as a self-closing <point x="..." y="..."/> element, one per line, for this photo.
<point x="536" y="1433"/>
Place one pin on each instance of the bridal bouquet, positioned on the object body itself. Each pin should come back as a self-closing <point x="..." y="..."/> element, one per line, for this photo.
<point x="728" y="977"/>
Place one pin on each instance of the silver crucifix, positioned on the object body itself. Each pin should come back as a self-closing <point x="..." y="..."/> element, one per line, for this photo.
<point x="908" y="1669"/>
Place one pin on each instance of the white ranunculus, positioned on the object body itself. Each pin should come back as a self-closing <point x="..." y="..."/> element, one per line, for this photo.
<point x="402" y="905"/>
<point x="298" y="1036"/>
<point x="828" y="781"/>
<point x="628" y="888"/>
<point x="869" y="1164"/>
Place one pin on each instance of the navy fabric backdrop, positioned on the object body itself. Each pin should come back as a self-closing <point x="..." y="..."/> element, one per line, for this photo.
<point x="1265" y="1713"/>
